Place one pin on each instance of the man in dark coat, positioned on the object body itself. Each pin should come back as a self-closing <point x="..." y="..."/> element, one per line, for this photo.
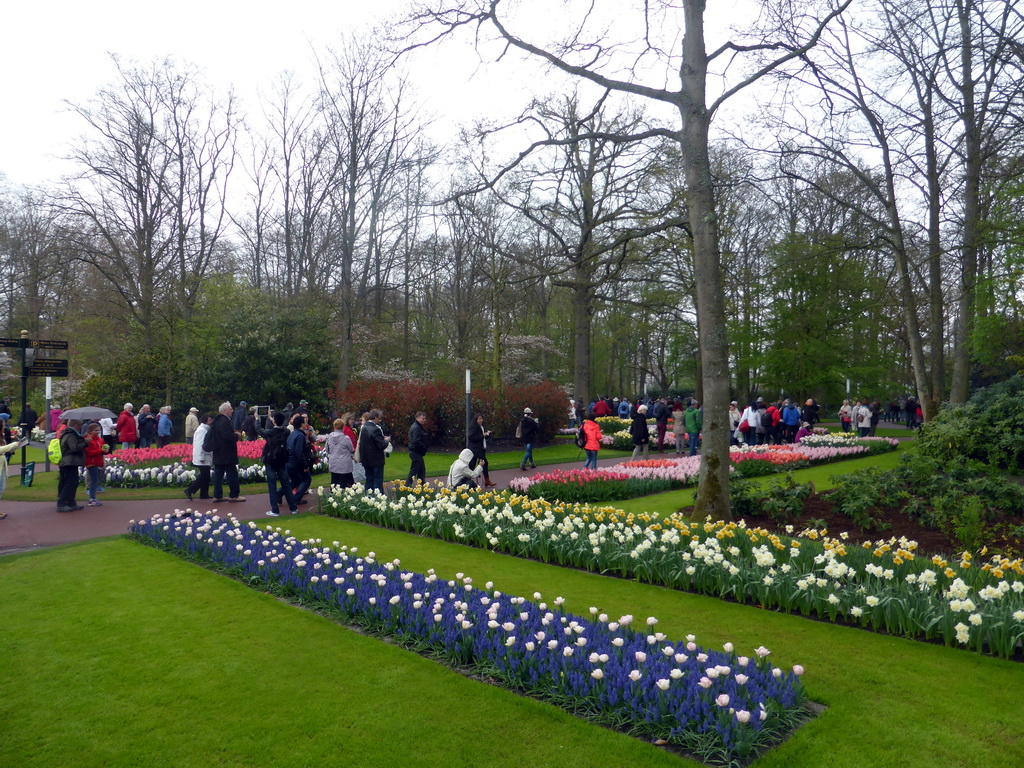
<point x="223" y="441"/>
<point x="528" y="431"/>
<point x="27" y="420"/>
<point x="372" y="446"/>
<point x="417" y="449"/>
<point x="661" y="415"/>
<point x="72" y="456"/>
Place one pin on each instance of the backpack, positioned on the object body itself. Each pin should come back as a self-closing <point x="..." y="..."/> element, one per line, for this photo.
<point x="581" y="438"/>
<point x="766" y="420"/>
<point x="208" y="440"/>
<point x="53" y="451"/>
<point x="275" y="450"/>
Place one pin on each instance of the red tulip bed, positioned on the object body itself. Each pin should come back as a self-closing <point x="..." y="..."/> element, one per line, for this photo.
<point x="639" y="478"/>
<point x="249" y="452"/>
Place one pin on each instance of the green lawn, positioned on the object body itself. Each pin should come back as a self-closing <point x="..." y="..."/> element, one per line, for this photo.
<point x="116" y="655"/>
<point x="32" y="453"/>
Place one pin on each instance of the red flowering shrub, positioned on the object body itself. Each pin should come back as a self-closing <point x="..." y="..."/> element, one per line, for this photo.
<point x="445" y="406"/>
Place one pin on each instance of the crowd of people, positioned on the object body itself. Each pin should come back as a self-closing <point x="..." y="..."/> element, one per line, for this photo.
<point x="357" y="448"/>
<point x="761" y="422"/>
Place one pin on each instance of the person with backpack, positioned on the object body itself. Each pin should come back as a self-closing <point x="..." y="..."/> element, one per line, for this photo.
<point x="760" y="421"/>
<point x="299" y="465"/>
<point x="340" y="449"/>
<point x="639" y="432"/>
<point x="527" y="433"/>
<point x="202" y="461"/>
<point x="276" y="457"/>
<point x="72" y="458"/>
<point x="589" y="439"/>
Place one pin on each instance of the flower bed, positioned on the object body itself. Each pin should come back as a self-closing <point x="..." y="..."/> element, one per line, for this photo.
<point x="171" y="466"/>
<point x="248" y="450"/>
<point x="847" y="439"/>
<point x="179" y="475"/>
<point x="879" y="586"/>
<point x="588" y="485"/>
<point x="637" y="478"/>
<point x="715" y="703"/>
<point x="623" y="441"/>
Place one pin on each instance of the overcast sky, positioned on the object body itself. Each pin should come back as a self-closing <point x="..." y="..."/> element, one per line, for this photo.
<point x="57" y="51"/>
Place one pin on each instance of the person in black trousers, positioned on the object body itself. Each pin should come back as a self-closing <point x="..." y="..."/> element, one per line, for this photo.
<point x="417" y="449"/>
<point x="477" y="439"/>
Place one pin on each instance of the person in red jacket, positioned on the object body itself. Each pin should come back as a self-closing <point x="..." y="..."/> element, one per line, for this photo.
<point x="592" y="432"/>
<point x="94" y="451"/>
<point x="601" y="407"/>
<point x="126" y="427"/>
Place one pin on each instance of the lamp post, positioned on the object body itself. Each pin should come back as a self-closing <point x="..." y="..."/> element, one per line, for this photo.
<point x="24" y="398"/>
<point x="468" y="416"/>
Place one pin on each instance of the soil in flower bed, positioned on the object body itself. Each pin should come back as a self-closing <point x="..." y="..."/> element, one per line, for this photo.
<point x="819" y="512"/>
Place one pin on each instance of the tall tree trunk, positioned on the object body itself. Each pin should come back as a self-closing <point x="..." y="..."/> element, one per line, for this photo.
<point x="581" y="337"/>
<point x="972" y="194"/>
<point x="713" y="492"/>
<point x="936" y="306"/>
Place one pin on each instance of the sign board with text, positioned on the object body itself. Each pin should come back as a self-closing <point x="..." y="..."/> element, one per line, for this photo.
<point x="49" y="344"/>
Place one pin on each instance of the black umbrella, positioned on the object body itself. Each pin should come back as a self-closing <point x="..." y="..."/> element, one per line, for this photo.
<point x="89" y="413"/>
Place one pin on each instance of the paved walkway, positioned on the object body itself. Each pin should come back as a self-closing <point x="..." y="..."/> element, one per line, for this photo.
<point x="33" y="524"/>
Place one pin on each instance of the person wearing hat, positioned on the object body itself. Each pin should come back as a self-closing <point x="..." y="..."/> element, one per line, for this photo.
<point x="191" y="424"/>
<point x="239" y="416"/>
<point x="528" y="430"/>
<point x="639" y="432"/>
<point x="303" y="407"/>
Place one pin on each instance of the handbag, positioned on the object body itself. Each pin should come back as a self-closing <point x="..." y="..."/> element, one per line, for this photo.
<point x="744" y="426"/>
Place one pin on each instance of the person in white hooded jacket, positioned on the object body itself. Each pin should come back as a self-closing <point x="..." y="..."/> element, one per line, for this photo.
<point x="461" y="474"/>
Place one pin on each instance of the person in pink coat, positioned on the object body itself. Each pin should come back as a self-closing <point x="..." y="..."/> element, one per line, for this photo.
<point x="592" y="432"/>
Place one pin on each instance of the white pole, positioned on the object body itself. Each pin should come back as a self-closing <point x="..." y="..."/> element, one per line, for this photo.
<point x="468" y="416"/>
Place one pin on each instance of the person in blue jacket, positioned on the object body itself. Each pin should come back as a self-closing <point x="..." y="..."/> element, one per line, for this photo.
<point x="164" y="428"/>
